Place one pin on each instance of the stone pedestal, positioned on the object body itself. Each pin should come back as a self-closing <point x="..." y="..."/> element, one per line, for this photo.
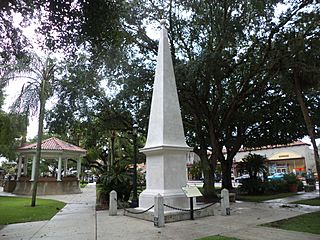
<point x="165" y="175"/>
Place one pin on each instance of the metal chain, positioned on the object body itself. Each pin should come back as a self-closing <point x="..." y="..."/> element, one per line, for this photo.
<point x="175" y="208"/>
<point x="188" y="210"/>
<point x="138" y="212"/>
<point x="205" y="206"/>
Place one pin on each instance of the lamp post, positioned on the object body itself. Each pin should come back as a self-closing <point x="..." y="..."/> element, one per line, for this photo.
<point x="134" y="195"/>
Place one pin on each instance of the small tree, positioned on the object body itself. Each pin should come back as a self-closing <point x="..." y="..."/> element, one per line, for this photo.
<point x="253" y="164"/>
<point x="33" y="96"/>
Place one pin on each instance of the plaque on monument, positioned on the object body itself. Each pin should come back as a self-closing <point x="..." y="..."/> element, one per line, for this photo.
<point x="191" y="191"/>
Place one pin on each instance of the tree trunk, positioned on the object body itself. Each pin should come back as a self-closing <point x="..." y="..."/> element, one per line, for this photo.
<point x="39" y="140"/>
<point x="226" y="177"/>
<point x="113" y="135"/>
<point x="208" y="174"/>
<point x="310" y="126"/>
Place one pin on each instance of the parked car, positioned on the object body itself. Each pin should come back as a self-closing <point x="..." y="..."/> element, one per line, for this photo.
<point x="276" y="176"/>
<point x="241" y="178"/>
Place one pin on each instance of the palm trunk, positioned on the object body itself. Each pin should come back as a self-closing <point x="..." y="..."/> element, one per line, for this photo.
<point x="39" y="140"/>
<point x="308" y="122"/>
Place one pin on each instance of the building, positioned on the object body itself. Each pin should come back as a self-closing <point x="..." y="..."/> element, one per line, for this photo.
<point x="295" y="157"/>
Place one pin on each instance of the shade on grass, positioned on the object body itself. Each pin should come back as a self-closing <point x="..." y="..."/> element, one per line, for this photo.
<point x="218" y="237"/>
<point x="312" y="202"/>
<point x="18" y="210"/>
<point x="304" y="223"/>
<point x="261" y="198"/>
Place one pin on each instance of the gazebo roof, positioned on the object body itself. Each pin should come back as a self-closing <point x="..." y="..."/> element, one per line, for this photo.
<point x="53" y="145"/>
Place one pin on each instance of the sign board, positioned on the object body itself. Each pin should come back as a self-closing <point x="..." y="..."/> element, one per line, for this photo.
<point x="191" y="191"/>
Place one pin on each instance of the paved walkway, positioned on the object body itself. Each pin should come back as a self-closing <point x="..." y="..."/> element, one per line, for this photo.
<point x="79" y="220"/>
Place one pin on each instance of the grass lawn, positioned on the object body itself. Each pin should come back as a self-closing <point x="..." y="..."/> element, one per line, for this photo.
<point x="218" y="237"/>
<point x="265" y="197"/>
<point x="18" y="210"/>
<point x="312" y="202"/>
<point x="304" y="223"/>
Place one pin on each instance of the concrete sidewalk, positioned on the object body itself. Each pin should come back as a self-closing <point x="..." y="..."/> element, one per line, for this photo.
<point x="241" y="224"/>
<point x="79" y="220"/>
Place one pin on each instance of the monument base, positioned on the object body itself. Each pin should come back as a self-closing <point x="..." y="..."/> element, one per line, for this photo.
<point x="174" y="198"/>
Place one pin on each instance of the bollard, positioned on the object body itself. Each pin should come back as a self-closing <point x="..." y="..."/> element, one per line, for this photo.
<point x="113" y="205"/>
<point x="225" y="205"/>
<point x="158" y="219"/>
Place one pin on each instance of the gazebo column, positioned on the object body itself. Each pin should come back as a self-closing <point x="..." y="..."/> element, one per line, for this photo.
<point x="65" y="168"/>
<point x="19" y="167"/>
<point x="25" y="166"/>
<point x="59" y="169"/>
<point x="78" y="168"/>
<point x="33" y="172"/>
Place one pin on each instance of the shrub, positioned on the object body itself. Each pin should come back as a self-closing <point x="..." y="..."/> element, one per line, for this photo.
<point x="119" y="179"/>
<point x="252" y="186"/>
<point x="276" y="186"/>
<point x="300" y="186"/>
<point x="291" y="178"/>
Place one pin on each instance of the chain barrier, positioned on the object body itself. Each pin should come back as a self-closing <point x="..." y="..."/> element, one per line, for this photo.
<point x="144" y="211"/>
<point x="188" y="210"/>
<point x="211" y="204"/>
<point x="168" y="206"/>
<point x="175" y="208"/>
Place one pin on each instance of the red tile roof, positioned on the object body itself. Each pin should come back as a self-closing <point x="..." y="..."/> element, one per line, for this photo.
<point x="54" y="144"/>
<point x="295" y="143"/>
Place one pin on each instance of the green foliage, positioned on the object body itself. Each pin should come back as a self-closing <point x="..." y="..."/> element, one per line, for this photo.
<point x="83" y="184"/>
<point x="196" y="170"/>
<point x="276" y="186"/>
<point x="11" y="129"/>
<point x="18" y="210"/>
<point x="257" y="186"/>
<point x="300" y="186"/>
<point x="253" y="164"/>
<point x="291" y="178"/>
<point x="252" y="186"/>
<point x="302" y="223"/>
<point x="117" y="178"/>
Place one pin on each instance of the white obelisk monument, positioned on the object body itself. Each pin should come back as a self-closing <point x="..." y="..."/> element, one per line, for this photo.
<point x="166" y="147"/>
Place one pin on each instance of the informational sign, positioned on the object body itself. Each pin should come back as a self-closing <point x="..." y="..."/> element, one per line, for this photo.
<point x="191" y="191"/>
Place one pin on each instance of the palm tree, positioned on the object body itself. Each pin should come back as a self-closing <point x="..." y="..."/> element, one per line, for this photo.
<point x="253" y="164"/>
<point x="32" y="98"/>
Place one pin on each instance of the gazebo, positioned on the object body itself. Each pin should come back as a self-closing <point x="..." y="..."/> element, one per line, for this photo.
<point x="51" y="149"/>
